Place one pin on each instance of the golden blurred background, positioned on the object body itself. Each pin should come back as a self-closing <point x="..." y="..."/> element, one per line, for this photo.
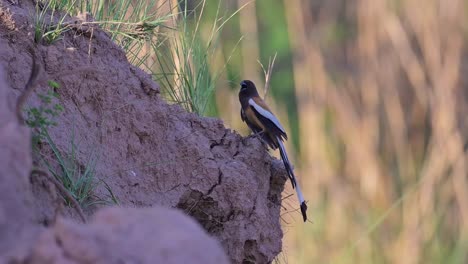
<point x="375" y="99"/>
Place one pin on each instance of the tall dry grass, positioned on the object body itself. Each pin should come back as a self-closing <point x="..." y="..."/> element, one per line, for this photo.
<point x="383" y="131"/>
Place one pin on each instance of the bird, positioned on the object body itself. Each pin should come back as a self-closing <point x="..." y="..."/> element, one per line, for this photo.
<point x="264" y="124"/>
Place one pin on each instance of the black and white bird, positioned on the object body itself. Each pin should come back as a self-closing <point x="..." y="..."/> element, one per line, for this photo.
<point x="263" y="123"/>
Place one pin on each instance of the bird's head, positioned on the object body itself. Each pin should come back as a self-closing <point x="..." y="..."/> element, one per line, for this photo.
<point x="248" y="89"/>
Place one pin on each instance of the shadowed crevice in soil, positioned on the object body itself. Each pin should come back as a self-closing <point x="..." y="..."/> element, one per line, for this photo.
<point x="204" y="209"/>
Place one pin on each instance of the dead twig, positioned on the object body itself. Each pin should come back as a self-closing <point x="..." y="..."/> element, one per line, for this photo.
<point x="64" y="191"/>
<point x="267" y="73"/>
<point x="29" y="88"/>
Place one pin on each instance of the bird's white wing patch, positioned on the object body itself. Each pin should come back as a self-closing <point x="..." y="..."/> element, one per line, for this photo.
<point x="266" y="114"/>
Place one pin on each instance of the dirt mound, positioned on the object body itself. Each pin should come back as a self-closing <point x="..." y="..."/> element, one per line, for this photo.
<point x="151" y="235"/>
<point x="16" y="218"/>
<point x="146" y="151"/>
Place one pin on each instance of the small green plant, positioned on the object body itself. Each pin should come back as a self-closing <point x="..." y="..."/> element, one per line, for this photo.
<point x="110" y="199"/>
<point x="79" y="180"/>
<point x="48" y="24"/>
<point x="42" y="117"/>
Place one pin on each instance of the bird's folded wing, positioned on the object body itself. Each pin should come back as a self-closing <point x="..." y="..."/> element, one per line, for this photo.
<point x="265" y="114"/>
<point x="253" y="122"/>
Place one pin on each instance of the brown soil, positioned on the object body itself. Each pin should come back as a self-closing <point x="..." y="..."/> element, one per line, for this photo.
<point x="150" y="153"/>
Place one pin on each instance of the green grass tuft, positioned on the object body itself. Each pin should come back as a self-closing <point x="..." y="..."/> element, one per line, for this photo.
<point x="79" y="180"/>
<point x="184" y="59"/>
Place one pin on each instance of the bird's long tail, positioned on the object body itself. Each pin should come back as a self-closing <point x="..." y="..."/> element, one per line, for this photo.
<point x="290" y="172"/>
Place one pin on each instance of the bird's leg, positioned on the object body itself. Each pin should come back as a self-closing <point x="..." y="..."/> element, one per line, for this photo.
<point x="255" y="135"/>
<point x="264" y="144"/>
<point x="258" y="134"/>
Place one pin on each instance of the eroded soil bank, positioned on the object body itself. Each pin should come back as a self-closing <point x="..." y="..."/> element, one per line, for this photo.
<point x="152" y="156"/>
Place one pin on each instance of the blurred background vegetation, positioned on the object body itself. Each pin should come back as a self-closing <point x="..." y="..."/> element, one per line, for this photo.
<point x="374" y="96"/>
